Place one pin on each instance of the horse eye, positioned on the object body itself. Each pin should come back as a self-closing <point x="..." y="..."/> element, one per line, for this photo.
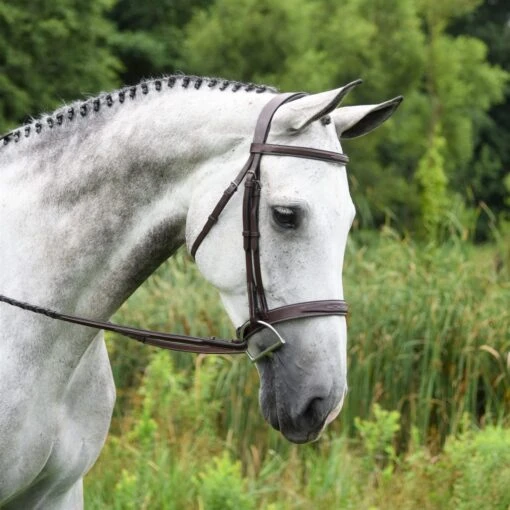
<point x="285" y="217"/>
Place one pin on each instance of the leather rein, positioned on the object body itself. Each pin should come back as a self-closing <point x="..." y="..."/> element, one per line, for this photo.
<point x="261" y="317"/>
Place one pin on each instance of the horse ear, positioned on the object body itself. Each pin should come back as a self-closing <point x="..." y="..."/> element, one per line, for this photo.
<point x="353" y="121"/>
<point x="294" y="116"/>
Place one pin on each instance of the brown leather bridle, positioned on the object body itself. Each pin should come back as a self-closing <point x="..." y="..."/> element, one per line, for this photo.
<point x="261" y="317"/>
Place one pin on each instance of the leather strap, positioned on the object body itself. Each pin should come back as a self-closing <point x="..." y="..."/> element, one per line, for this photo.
<point x="298" y="152"/>
<point x="294" y="311"/>
<point x="170" y="341"/>
<point x="213" y="217"/>
<point x="256" y="296"/>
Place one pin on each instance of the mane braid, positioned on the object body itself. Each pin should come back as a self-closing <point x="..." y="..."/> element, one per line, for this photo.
<point x="94" y="104"/>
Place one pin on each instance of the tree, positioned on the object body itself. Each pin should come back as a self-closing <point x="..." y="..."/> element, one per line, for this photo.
<point x="50" y="51"/>
<point x="489" y="172"/>
<point x="150" y="35"/>
<point x="399" y="47"/>
<point x="249" y="40"/>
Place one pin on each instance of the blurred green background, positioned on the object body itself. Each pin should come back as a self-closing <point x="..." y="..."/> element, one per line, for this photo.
<point x="427" y="271"/>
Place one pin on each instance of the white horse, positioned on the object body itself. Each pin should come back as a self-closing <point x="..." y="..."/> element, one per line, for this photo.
<point x="96" y="195"/>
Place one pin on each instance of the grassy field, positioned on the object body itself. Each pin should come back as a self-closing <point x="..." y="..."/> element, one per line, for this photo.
<point x="429" y="339"/>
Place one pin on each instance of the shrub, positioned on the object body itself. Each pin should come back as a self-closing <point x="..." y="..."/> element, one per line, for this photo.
<point x="222" y="487"/>
<point x="378" y="436"/>
<point x="480" y="466"/>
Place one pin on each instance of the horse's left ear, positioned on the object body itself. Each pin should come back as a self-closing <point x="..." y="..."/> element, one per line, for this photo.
<point x="295" y="115"/>
<point x="353" y="121"/>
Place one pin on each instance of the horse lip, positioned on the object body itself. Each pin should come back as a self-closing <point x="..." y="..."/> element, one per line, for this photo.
<point x="272" y="415"/>
<point x="267" y="398"/>
<point x="303" y="437"/>
<point x="336" y="411"/>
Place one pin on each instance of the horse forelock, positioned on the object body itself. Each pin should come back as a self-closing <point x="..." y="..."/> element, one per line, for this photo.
<point x="82" y="108"/>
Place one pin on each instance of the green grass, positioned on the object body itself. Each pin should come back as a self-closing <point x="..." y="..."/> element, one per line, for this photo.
<point x="173" y="454"/>
<point x="429" y="334"/>
<point x="429" y="337"/>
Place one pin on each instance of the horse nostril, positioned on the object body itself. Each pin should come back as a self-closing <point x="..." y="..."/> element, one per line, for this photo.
<point x="314" y="412"/>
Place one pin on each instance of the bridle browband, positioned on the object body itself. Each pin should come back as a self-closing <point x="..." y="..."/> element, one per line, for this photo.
<point x="261" y="317"/>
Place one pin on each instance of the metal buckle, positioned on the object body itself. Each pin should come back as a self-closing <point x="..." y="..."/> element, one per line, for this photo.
<point x="266" y="352"/>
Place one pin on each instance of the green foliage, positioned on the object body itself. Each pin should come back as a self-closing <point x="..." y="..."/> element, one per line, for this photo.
<point x="314" y="45"/>
<point x="432" y="182"/>
<point x="222" y="487"/>
<point x="471" y="473"/>
<point x="171" y="427"/>
<point x="460" y="83"/>
<point x="506" y="184"/>
<point x="252" y="38"/>
<point x="489" y="23"/>
<point x="150" y="35"/>
<point x="419" y="324"/>
<point x="125" y="492"/>
<point x="480" y="465"/>
<point x="378" y="436"/>
<point x="52" y="50"/>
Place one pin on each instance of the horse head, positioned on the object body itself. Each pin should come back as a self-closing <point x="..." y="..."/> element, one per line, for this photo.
<point x="304" y="215"/>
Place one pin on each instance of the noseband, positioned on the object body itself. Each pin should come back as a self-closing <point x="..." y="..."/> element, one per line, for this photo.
<point x="261" y="317"/>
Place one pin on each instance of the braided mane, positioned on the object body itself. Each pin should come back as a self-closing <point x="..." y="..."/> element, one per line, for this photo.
<point x="83" y="108"/>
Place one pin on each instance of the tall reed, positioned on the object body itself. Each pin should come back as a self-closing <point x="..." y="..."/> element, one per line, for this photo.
<point x="429" y="336"/>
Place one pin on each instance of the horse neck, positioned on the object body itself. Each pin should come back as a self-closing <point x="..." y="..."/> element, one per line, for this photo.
<point x="96" y="204"/>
